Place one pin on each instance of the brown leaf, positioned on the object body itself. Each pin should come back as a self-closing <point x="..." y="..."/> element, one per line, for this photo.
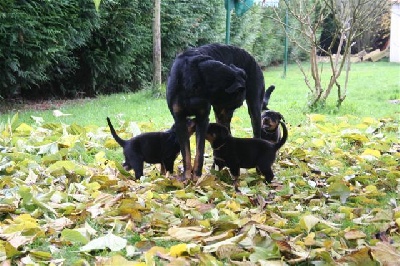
<point x="358" y="257"/>
<point x="385" y="254"/>
<point x="354" y="234"/>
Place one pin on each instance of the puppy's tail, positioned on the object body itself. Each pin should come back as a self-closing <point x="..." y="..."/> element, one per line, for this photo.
<point x="282" y="141"/>
<point x="267" y="96"/>
<point x="120" y="141"/>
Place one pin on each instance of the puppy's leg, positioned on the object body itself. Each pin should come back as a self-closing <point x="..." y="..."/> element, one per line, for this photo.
<point x="235" y="171"/>
<point x="137" y="166"/>
<point x="267" y="172"/>
<point x="201" y="129"/>
<point x="168" y="166"/>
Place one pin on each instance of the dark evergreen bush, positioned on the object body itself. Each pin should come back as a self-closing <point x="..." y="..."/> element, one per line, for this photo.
<point x="67" y="48"/>
<point x="37" y="39"/>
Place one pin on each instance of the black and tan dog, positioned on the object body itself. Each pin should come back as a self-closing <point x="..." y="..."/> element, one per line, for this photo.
<point x="236" y="153"/>
<point x="270" y="120"/>
<point x="221" y="76"/>
<point x="151" y="147"/>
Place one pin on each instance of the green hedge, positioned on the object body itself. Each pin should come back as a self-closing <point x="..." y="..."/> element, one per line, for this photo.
<point x="66" y="48"/>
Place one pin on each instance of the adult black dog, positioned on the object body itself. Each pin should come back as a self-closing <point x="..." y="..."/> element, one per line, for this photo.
<point x="236" y="153"/>
<point x="211" y="75"/>
<point x="151" y="147"/>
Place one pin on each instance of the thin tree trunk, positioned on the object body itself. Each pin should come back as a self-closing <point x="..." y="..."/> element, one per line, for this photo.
<point x="156" y="46"/>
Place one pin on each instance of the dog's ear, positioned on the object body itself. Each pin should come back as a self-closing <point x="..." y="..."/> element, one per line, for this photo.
<point x="239" y="81"/>
<point x="223" y="131"/>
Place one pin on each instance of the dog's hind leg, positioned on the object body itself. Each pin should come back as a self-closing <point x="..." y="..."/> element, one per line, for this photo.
<point x="223" y="116"/>
<point x="201" y="129"/>
<point x="184" y="142"/>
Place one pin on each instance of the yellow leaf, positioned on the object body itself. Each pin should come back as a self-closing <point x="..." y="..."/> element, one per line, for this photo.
<point x="347" y="210"/>
<point x="259" y="218"/>
<point x="334" y="163"/>
<point x="372" y="152"/>
<point x="236" y="119"/>
<point x="310" y="239"/>
<point x="371" y="189"/>
<point x="41" y="255"/>
<point x="149" y="195"/>
<point x="24" y="128"/>
<point x="368" y="120"/>
<point x="299" y="141"/>
<point x="156" y="249"/>
<point x="22" y="223"/>
<point x="178" y="250"/>
<point x="230" y="213"/>
<point x="318" y="143"/>
<point x="398" y="222"/>
<point x="233" y="205"/>
<point x="308" y="222"/>
<point x="316" y="118"/>
<point x="111" y="144"/>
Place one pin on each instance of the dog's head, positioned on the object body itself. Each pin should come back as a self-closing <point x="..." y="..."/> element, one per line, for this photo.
<point x="239" y="79"/>
<point x="220" y="77"/>
<point x="216" y="132"/>
<point x="270" y="120"/>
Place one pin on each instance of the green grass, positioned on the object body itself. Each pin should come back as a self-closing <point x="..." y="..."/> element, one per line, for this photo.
<point x="371" y="86"/>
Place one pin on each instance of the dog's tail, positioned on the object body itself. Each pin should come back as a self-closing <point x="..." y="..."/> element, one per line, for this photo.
<point x="282" y="141"/>
<point x="267" y="95"/>
<point x="120" y="141"/>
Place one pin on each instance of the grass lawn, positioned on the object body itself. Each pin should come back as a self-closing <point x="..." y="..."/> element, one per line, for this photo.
<point x="371" y="86"/>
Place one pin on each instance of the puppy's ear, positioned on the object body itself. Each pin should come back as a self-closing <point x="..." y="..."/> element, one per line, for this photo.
<point x="223" y="131"/>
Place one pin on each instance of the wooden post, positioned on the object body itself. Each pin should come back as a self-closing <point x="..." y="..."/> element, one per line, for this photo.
<point x="156" y="46"/>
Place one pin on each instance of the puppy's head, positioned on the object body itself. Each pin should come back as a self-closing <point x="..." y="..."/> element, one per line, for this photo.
<point x="216" y="132"/>
<point x="191" y="125"/>
<point x="270" y="120"/>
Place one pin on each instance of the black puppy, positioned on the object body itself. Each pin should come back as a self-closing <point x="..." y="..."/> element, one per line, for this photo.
<point x="221" y="76"/>
<point x="236" y="153"/>
<point x="151" y="147"/>
<point x="270" y="119"/>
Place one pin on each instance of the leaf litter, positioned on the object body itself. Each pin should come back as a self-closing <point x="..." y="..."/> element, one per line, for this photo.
<point x="334" y="200"/>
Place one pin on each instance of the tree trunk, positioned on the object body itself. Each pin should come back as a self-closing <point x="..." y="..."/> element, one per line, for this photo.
<point x="156" y="46"/>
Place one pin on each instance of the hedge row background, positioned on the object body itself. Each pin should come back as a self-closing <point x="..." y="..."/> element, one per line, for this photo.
<point x="65" y="48"/>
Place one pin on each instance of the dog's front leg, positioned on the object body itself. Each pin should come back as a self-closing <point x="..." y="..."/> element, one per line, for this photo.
<point x="201" y="129"/>
<point x="184" y="143"/>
